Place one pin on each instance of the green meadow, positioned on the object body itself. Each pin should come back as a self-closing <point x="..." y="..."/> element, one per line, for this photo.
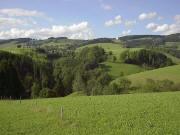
<point x="116" y="48"/>
<point x="131" y="114"/>
<point x="170" y="73"/>
<point x="117" y="69"/>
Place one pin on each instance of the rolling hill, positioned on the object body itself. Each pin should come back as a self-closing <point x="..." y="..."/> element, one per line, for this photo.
<point x="170" y="73"/>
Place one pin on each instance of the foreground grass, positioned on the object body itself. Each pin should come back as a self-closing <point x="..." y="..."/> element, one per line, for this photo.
<point x="133" y="114"/>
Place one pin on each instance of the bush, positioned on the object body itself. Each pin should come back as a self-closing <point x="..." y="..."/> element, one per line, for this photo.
<point x="159" y="85"/>
<point x="46" y="92"/>
<point x="121" y="84"/>
<point x="176" y="87"/>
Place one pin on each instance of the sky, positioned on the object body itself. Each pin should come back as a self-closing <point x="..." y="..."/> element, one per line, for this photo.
<point x="87" y="19"/>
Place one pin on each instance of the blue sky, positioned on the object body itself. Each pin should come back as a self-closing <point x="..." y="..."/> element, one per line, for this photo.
<point x="86" y="19"/>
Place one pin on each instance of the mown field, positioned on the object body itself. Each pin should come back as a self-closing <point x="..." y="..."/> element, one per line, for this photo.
<point x="132" y="114"/>
<point x="116" y="69"/>
<point x="170" y="73"/>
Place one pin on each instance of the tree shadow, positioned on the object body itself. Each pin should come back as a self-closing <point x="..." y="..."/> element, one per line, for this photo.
<point x="106" y="67"/>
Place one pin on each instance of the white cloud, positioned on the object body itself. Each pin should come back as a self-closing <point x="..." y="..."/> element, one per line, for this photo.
<point x="161" y="28"/>
<point x="16" y="12"/>
<point x="157" y="28"/>
<point x="75" y="31"/>
<point x="147" y="16"/>
<point x="177" y="19"/>
<point x="151" y="26"/>
<point x="124" y="33"/>
<point x="129" y="23"/>
<point x="106" y="7"/>
<point x="118" y="20"/>
<point x="109" y="23"/>
<point x="164" y="29"/>
<point x="12" y="22"/>
<point x="173" y="28"/>
<point x="21" y="12"/>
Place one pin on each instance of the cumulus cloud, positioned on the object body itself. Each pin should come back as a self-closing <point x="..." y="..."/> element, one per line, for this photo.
<point x="129" y="23"/>
<point x="147" y="16"/>
<point x="75" y="31"/>
<point x="12" y="22"/>
<point x="157" y="28"/>
<point x="106" y="7"/>
<point x="161" y="28"/>
<point x="124" y="33"/>
<point x="117" y="20"/>
<point x="164" y="29"/>
<point x="151" y="26"/>
<point x="173" y="28"/>
<point x="109" y="23"/>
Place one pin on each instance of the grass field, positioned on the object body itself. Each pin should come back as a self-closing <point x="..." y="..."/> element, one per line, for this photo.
<point x="171" y="73"/>
<point x="131" y="114"/>
<point x="116" y="49"/>
<point x="115" y="69"/>
<point x="106" y="46"/>
<point x="28" y="52"/>
<point x="7" y="46"/>
<point x="171" y="44"/>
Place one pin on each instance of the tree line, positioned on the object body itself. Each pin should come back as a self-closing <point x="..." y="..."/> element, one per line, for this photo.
<point x="150" y="58"/>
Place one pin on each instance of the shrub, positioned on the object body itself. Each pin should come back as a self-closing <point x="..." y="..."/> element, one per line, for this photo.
<point x="176" y="87"/>
<point x="121" y="84"/>
<point x="158" y="85"/>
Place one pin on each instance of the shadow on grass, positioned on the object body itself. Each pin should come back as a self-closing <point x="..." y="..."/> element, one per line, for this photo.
<point x="106" y="67"/>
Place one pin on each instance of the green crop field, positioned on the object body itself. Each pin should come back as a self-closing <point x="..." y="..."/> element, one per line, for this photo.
<point x="171" y="73"/>
<point x="116" y="69"/>
<point x="131" y="114"/>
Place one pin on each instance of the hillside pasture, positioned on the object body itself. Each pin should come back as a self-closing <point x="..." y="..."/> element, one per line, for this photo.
<point x="170" y="73"/>
<point x="117" y="69"/>
<point x="131" y="114"/>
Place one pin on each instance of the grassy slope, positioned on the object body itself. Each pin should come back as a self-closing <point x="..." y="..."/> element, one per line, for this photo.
<point x="132" y="114"/>
<point x="174" y="59"/>
<point x="7" y="46"/>
<point x="115" y="48"/>
<point x="171" y="73"/>
<point x="170" y="44"/>
<point x="115" y="69"/>
<point x="28" y="52"/>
